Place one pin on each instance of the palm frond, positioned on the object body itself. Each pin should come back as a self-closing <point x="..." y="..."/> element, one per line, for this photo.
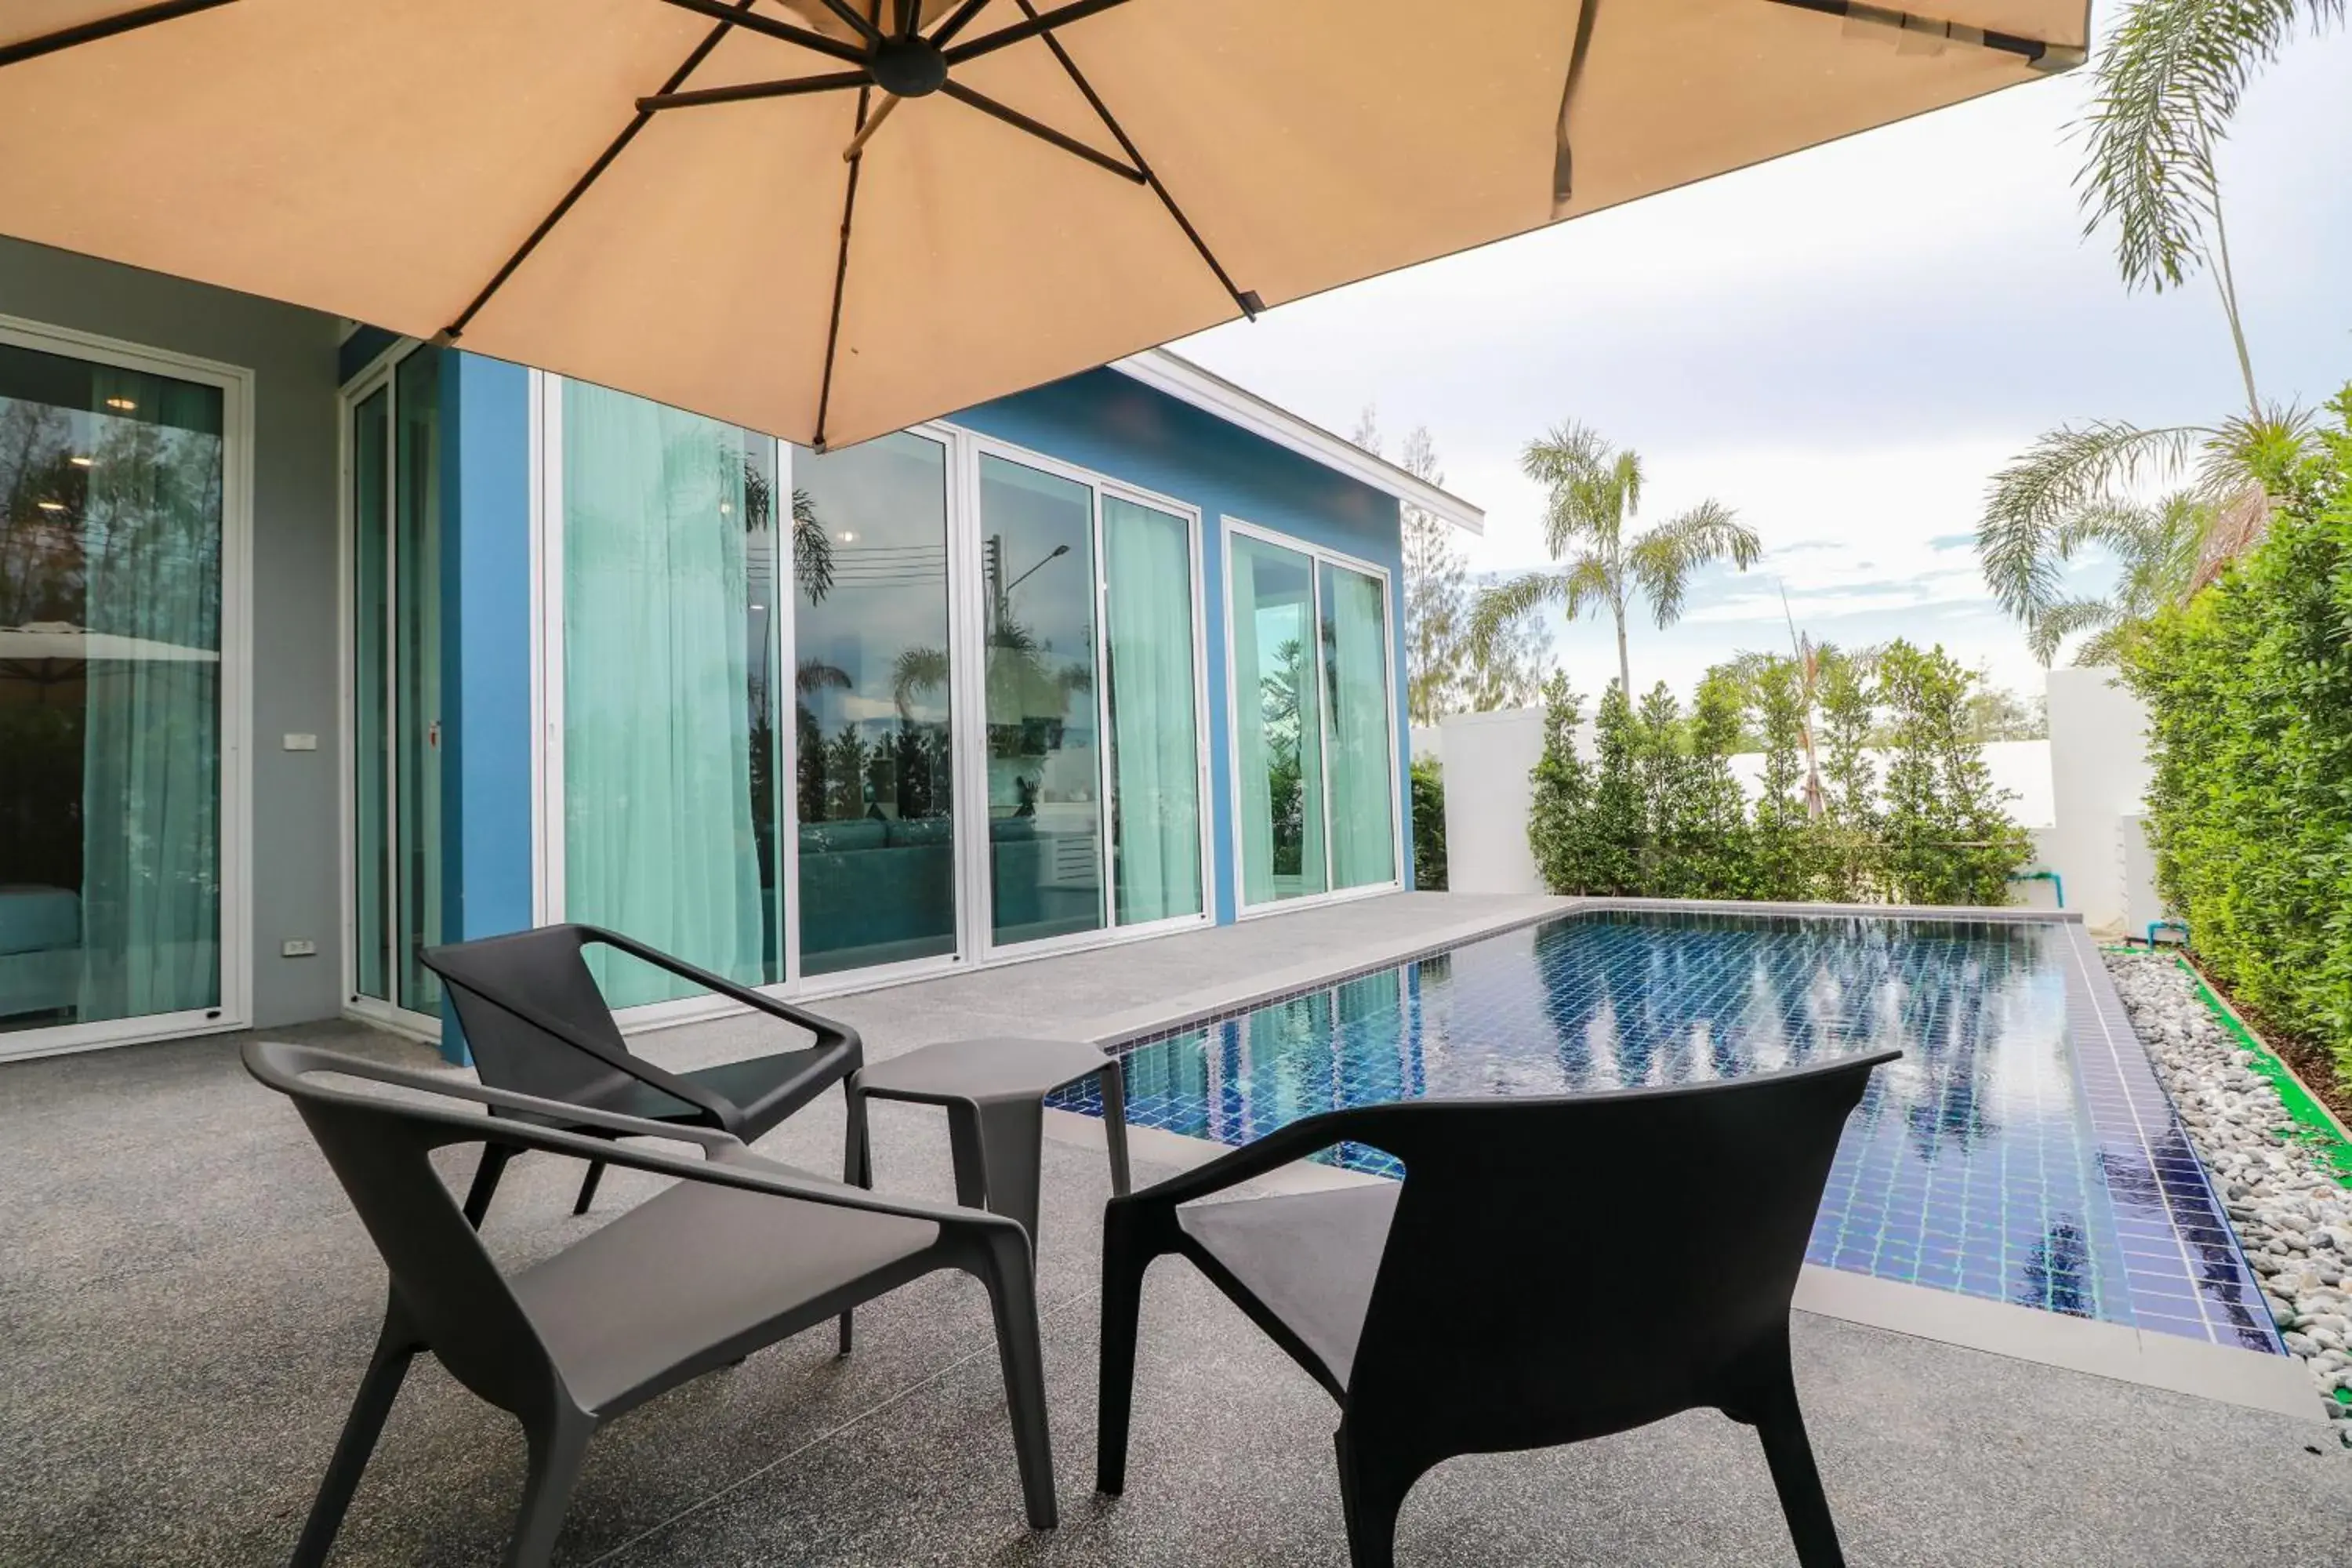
<point x="2057" y="622"/>
<point x="1506" y="602"/>
<point x="1663" y="558"/>
<point x="2165" y="87"/>
<point x="1563" y="453"/>
<point x="2065" y="471"/>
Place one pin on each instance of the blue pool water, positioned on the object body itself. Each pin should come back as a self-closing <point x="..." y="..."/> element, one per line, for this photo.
<point x="2021" y="1149"/>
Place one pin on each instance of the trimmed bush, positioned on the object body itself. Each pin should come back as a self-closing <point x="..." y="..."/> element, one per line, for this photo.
<point x="1428" y="826"/>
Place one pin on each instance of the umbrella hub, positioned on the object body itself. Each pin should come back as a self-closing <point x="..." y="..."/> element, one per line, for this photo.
<point x="908" y="68"/>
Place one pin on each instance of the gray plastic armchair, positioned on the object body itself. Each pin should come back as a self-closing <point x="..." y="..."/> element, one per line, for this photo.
<point x="537" y="1024"/>
<point x="739" y="1253"/>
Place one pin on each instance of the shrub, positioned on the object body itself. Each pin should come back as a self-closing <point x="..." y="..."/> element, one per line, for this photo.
<point x="1657" y="812"/>
<point x="2249" y="690"/>
<point x="1428" y="824"/>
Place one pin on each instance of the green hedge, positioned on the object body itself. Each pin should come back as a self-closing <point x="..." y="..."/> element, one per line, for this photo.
<point x="1428" y="826"/>
<point x="2249" y="689"/>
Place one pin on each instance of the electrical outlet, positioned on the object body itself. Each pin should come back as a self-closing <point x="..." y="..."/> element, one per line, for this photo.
<point x="297" y="948"/>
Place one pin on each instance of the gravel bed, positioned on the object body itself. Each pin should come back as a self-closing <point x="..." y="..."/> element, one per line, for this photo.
<point x="2293" y="1217"/>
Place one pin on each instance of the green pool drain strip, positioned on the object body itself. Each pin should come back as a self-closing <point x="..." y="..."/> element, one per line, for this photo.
<point x="2314" y="1127"/>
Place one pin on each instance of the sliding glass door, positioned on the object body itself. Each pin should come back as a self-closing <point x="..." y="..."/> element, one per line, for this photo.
<point x="115" y="505"/>
<point x="1314" y="716"/>
<point x="990" y="738"/>
<point x="395" y="693"/>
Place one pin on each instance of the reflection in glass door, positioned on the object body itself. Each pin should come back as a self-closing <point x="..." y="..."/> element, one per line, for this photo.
<point x="111" y="524"/>
<point x="1044" y="742"/>
<point x="873" y="752"/>
<point x="396" y="687"/>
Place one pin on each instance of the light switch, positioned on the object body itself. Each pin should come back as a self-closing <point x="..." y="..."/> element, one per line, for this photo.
<point x="297" y="948"/>
<point x="301" y="742"/>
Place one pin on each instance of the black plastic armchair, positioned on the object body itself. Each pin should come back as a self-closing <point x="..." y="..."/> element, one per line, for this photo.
<point x="1480" y="1306"/>
<point x="739" y="1253"/>
<point x="537" y="1024"/>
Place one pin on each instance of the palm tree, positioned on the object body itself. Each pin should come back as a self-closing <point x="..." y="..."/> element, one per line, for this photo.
<point x="2167" y="85"/>
<point x="1595" y="492"/>
<point x="2168" y="81"/>
<point x="2159" y="553"/>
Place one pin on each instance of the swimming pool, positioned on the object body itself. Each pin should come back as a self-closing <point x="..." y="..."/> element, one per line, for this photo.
<point x="2022" y="1149"/>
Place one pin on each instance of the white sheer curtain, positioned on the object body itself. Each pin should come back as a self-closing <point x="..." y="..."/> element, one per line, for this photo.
<point x="658" y="830"/>
<point x="1155" y="738"/>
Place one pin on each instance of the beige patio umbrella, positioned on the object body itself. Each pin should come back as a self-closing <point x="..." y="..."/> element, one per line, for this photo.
<point x="830" y="218"/>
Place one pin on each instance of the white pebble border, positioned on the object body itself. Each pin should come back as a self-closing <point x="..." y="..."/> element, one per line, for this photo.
<point x="2293" y="1217"/>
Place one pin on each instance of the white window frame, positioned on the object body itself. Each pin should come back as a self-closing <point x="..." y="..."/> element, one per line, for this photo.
<point x="235" y="384"/>
<point x="1317" y="555"/>
<point x="967" y="695"/>
<point x="378" y="375"/>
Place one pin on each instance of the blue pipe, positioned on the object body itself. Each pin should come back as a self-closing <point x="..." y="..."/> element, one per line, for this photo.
<point x="2052" y="877"/>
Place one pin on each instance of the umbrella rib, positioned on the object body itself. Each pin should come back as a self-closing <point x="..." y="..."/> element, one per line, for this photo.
<point x="946" y="31"/>
<point x="1059" y="16"/>
<point x="856" y="19"/>
<point x="1038" y="128"/>
<point x="102" y="28"/>
<point x="742" y="16"/>
<point x="1862" y="11"/>
<point x="840" y="276"/>
<point x="619" y="144"/>
<point x="1248" y="302"/>
<point x="745" y="92"/>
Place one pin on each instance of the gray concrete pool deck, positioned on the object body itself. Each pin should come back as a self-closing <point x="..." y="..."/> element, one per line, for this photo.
<point x="186" y="1302"/>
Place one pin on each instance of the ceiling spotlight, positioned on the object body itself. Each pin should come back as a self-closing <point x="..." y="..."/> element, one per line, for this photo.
<point x="123" y="403"/>
<point x="847" y="536"/>
<point x="726" y="508"/>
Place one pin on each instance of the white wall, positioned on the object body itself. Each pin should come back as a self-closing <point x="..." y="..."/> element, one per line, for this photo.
<point x="1487" y="796"/>
<point x="2099" y="774"/>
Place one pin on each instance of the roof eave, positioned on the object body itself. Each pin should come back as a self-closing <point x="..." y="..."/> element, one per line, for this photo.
<point x="1188" y="382"/>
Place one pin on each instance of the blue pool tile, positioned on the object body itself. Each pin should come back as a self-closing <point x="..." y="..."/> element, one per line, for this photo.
<point x="2022" y="1149"/>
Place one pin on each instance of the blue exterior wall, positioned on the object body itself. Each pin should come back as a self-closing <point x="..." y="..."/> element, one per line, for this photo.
<point x="1124" y="430"/>
<point x="486" y="575"/>
<point x="1101" y="421"/>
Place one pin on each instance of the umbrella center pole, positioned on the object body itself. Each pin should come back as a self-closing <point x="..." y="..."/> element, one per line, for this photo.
<point x="908" y="68"/>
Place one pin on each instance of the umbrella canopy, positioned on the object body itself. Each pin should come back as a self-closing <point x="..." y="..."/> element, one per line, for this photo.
<point x="827" y="219"/>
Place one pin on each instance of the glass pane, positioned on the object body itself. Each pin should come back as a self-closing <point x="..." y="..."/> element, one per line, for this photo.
<point x="873" y="745"/>
<point x="1356" y="742"/>
<point x="664" y="732"/>
<point x="416" y="652"/>
<point x="372" y="921"/>
<point x="110" y="692"/>
<point x="1278" y="727"/>
<point x="1044" y="750"/>
<point x="1154" y="721"/>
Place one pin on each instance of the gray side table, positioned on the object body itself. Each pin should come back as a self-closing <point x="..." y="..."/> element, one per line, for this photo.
<point x="994" y="1092"/>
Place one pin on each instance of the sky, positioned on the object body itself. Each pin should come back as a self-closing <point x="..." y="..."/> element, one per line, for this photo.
<point x="1842" y="346"/>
